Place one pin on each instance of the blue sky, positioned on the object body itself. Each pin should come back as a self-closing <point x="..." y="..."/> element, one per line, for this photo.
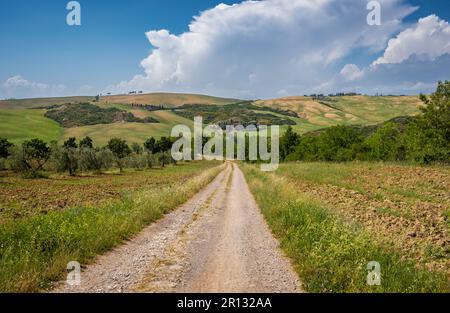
<point x="107" y="48"/>
<point x="238" y="48"/>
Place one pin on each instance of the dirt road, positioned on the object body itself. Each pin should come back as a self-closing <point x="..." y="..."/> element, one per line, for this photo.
<point x="216" y="242"/>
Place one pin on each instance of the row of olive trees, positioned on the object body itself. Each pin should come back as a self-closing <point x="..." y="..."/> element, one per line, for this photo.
<point x="34" y="156"/>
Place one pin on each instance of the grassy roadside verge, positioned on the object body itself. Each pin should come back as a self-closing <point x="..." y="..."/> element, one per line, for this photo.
<point x="35" y="251"/>
<point x="328" y="254"/>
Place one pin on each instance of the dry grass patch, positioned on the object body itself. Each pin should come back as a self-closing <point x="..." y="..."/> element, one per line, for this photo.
<point x="167" y="99"/>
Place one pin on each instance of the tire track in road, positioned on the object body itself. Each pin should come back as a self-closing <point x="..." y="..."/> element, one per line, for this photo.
<point x="121" y="269"/>
<point x="217" y="242"/>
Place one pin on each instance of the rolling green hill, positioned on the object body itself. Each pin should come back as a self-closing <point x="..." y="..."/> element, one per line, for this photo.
<point x="132" y="132"/>
<point x="348" y="110"/>
<point x="22" y="124"/>
<point x="19" y="122"/>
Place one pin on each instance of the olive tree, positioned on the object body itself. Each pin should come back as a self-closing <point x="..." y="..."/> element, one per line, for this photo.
<point x="120" y="150"/>
<point x="95" y="159"/>
<point x="31" y="157"/>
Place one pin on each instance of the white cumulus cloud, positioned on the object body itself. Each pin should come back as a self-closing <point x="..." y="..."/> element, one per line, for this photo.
<point x="257" y="48"/>
<point x="429" y="38"/>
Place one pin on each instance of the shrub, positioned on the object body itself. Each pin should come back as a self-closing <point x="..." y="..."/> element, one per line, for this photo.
<point x="95" y="159"/>
<point x="288" y="143"/>
<point x="306" y="150"/>
<point x="386" y="144"/>
<point x="16" y="160"/>
<point x="339" y="144"/>
<point x="138" y="161"/>
<point x="151" y="159"/>
<point x="5" y="146"/>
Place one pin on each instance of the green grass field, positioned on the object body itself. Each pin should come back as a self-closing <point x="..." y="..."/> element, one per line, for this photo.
<point x="22" y="124"/>
<point x="333" y="219"/>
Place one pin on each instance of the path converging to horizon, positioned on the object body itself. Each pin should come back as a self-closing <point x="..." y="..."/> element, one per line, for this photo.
<point x="216" y="242"/>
